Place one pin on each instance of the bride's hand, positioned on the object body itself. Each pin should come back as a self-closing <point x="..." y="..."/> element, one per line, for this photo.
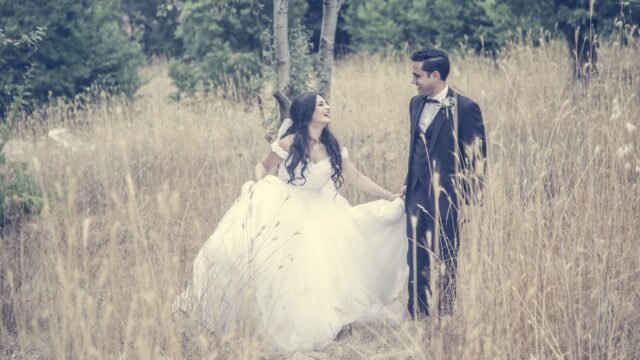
<point x="391" y="196"/>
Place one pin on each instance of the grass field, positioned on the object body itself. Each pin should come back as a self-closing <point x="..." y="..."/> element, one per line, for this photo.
<point x="549" y="266"/>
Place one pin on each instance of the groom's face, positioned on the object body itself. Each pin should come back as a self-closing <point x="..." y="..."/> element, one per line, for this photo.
<point x="425" y="82"/>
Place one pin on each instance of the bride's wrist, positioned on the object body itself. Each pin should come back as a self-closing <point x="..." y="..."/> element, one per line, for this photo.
<point x="387" y="195"/>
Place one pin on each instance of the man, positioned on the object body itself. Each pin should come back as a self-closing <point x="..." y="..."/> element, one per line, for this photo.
<point x="446" y="162"/>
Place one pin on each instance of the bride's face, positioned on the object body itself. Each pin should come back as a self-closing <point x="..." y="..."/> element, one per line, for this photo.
<point x="322" y="112"/>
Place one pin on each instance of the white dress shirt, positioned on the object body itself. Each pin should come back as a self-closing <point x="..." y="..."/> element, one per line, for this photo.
<point x="430" y="110"/>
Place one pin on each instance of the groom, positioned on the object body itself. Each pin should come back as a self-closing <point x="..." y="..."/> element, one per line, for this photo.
<point x="446" y="164"/>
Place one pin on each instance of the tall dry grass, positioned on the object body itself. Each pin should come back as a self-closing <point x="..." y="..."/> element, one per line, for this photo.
<point x="549" y="265"/>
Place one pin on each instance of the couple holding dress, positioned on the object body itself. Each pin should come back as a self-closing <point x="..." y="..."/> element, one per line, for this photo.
<point x="293" y="256"/>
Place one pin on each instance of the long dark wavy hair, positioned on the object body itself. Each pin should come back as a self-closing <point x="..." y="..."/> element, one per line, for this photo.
<point x="301" y="111"/>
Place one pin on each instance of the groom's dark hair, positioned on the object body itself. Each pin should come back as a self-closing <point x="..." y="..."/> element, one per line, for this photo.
<point x="433" y="60"/>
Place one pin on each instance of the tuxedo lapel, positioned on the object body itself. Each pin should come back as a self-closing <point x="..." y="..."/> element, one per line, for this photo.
<point x="415" y="119"/>
<point x="438" y="122"/>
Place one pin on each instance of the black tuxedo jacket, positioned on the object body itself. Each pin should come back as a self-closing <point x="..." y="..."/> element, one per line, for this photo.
<point x="441" y="155"/>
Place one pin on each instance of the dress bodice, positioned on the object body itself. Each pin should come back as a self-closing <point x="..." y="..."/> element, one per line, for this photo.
<point x="317" y="175"/>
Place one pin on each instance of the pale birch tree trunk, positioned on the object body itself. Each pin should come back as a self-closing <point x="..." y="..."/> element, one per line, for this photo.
<point x="330" y="11"/>
<point x="283" y="62"/>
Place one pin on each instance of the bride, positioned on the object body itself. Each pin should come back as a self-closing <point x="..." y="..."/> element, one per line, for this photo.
<point x="291" y="255"/>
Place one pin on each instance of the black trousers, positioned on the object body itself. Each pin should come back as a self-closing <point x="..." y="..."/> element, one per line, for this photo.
<point x="422" y="252"/>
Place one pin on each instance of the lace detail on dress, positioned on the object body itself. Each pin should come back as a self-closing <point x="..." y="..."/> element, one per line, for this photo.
<point x="276" y="148"/>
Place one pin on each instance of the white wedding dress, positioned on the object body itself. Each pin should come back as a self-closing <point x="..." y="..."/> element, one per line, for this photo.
<point x="299" y="262"/>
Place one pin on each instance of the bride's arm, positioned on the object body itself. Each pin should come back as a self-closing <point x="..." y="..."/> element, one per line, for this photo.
<point x="362" y="182"/>
<point x="266" y="164"/>
<point x="271" y="159"/>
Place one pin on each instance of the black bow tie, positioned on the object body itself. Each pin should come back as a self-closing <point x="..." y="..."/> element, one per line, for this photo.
<point x="429" y="100"/>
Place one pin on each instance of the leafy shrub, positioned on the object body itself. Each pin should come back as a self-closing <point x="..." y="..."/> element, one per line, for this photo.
<point x="222" y="45"/>
<point x="19" y="194"/>
<point x="84" y="45"/>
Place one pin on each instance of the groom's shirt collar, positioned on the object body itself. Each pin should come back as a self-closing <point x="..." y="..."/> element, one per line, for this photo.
<point x="430" y="109"/>
<point x="442" y="94"/>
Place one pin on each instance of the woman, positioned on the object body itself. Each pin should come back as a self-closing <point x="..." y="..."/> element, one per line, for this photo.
<point x="292" y="255"/>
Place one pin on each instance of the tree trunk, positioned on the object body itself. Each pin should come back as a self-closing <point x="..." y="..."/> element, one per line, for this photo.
<point x="281" y="37"/>
<point x="330" y="11"/>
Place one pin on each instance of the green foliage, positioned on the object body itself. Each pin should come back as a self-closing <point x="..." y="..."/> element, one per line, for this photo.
<point x="20" y="94"/>
<point x="582" y="23"/>
<point x="84" y="46"/>
<point x="153" y="23"/>
<point x="466" y="23"/>
<point x="380" y="25"/>
<point x="30" y="39"/>
<point x="222" y="45"/>
<point x="17" y="94"/>
<point x="376" y="25"/>
<point x="19" y="195"/>
<point x="218" y="48"/>
<point x="572" y="13"/>
<point x="302" y="62"/>
<point x="313" y="21"/>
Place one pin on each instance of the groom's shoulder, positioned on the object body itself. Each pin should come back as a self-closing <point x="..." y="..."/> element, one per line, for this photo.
<point x="463" y="99"/>
<point x="465" y="104"/>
